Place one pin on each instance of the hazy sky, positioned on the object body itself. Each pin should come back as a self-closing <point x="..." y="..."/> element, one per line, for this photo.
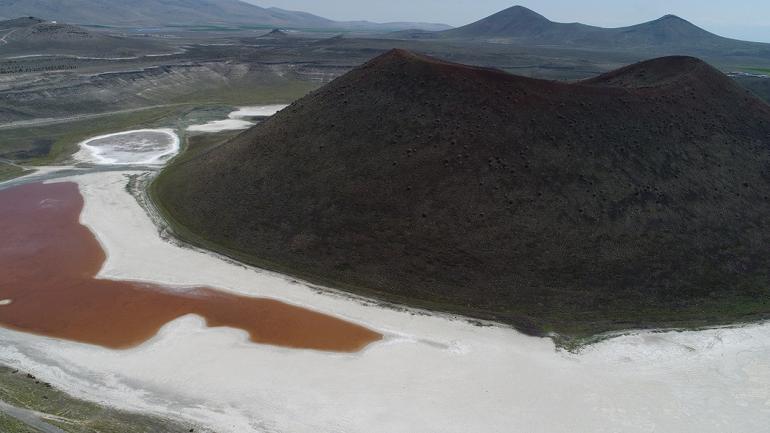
<point x="743" y="19"/>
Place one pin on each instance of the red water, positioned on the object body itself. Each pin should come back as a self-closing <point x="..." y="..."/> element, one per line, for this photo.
<point x="48" y="263"/>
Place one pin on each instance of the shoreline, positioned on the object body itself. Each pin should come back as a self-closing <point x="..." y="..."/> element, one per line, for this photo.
<point x="437" y="372"/>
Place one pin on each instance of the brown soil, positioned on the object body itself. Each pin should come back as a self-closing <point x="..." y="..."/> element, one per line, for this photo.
<point x="635" y="199"/>
<point x="47" y="266"/>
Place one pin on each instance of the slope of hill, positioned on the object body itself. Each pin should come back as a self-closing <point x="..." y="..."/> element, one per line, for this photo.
<point x="521" y="25"/>
<point x="182" y="13"/>
<point x="635" y="199"/>
<point x="18" y="23"/>
<point x="145" y="12"/>
<point x="275" y="34"/>
<point x="32" y="35"/>
<point x="361" y="25"/>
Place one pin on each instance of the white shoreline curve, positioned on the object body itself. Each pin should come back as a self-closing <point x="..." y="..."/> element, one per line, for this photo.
<point x="96" y="154"/>
<point x="257" y="111"/>
<point x="236" y="119"/>
<point x="432" y="373"/>
<point x="221" y="125"/>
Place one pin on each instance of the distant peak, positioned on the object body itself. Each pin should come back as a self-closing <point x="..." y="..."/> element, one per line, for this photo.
<point x="275" y="33"/>
<point x="672" y="19"/>
<point x="522" y="11"/>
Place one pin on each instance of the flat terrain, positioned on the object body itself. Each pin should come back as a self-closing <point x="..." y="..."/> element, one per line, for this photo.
<point x="9" y="171"/>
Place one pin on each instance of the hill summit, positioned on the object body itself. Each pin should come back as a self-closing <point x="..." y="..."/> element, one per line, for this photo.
<point x="637" y="198"/>
<point x="276" y="33"/>
<point x="669" y="33"/>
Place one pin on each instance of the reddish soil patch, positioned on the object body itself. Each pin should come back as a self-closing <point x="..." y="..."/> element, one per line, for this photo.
<point x="48" y="263"/>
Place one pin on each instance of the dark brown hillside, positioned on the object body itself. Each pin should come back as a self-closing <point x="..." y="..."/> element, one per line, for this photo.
<point x="638" y="198"/>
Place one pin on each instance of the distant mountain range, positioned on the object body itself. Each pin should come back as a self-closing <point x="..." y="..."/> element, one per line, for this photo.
<point x="184" y="12"/>
<point x="524" y="26"/>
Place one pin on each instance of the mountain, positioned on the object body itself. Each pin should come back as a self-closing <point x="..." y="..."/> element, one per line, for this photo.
<point x="35" y="35"/>
<point x="519" y="22"/>
<point x="521" y="25"/>
<point x="151" y="12"/>
<point x="182" y="12"/>
<point x="637" y="198"/>
<point x="275" y="34"/>
<point x="361" y="25"/>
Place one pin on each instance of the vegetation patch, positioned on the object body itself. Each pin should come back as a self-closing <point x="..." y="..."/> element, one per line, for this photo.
<point x="757" y="70"/>
<point x="9" y="424"/>
<point x="55" y="143"/>
<point x="72" y="415"/>
<point x="9" y="171"/>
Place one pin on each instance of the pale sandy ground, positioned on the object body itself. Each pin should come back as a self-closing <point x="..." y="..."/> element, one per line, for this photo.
<point x="221" y="125"/>
<point x="257" y="110"/>
<point x="236" y="119"/>
<point x="431" y="374"/>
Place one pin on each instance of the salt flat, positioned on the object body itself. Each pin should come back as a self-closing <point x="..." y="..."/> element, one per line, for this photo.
<point x="236" y="119"/>
<point x="431" y="373"/>
<point x="221" y="125"/>
<point x="257" y="111"/>
<point x="141" y="147"/>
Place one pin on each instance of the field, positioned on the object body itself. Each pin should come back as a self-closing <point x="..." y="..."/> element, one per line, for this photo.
<point x="69" y="414"/>
<point x="55" y="142"/>
<point x="759" y="70"/>
<point x="9" y="171"/>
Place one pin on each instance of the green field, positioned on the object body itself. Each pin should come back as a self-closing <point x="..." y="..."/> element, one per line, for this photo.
<point x="72" y="415"/>
<point x="756" y="70"/>
<point x="54" y="143"/>
<point x="250" y="91"/>
<point x="12" y="425"/>
<point x="9" y="171"/>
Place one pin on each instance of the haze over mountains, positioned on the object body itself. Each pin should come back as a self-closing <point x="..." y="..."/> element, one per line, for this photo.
<point x="637" y="198"/>
<point x="182" y="13"/>
<point x="524" y="26"/>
